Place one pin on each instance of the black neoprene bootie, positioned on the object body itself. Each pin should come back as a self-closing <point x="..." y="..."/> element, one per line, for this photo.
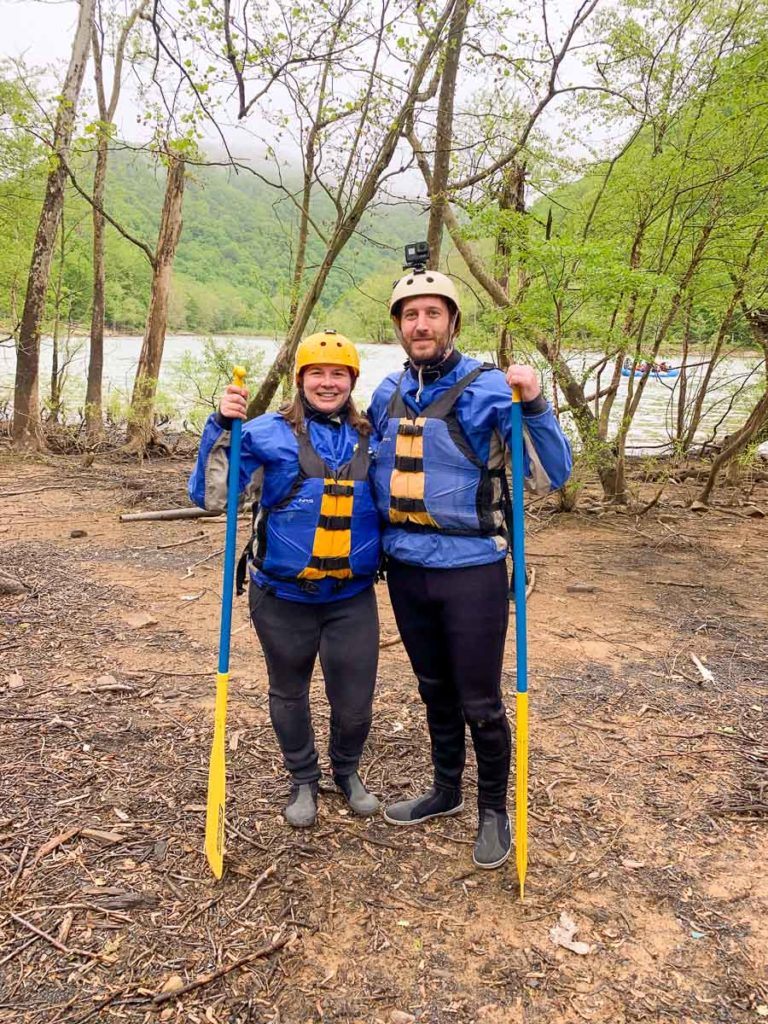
<point x="437" y="803"/>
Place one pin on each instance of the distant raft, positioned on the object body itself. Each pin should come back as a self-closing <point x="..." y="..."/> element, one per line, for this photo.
<point x="670" y="371"/>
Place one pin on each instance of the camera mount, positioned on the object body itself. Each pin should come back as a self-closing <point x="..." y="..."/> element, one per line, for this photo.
<point x="416" y="257"/>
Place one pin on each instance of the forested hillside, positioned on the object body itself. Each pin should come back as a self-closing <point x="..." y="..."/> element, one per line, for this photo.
<point x="233" y="267"/>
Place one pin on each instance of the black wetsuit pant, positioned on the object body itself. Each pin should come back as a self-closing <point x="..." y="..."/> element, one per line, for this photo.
<point x="345" y="634"/>
<point x="453" y="623"/>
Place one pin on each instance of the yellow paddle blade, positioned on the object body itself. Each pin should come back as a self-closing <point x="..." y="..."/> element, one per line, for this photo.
<point x="521" y="790"/>
<point x="217" y="781"/>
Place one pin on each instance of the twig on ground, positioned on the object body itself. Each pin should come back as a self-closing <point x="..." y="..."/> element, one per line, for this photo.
<point x="181" y="543"/>
<point x="280" y="940"/>
<point x="69" y="950"/>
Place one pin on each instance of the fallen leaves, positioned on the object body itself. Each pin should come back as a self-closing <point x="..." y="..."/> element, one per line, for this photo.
<point x="14" y="681"/>
<point x="563" y="935"/>
<point x="139" y="620"/>
<point x="704" y="672"/>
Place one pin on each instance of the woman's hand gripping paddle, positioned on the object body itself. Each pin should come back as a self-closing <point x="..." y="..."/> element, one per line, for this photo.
<point x="521" y="643"/>
<point x="217" y="768"/>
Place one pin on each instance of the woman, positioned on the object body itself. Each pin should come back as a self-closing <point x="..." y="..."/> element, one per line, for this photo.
<point x="316" y="557"/>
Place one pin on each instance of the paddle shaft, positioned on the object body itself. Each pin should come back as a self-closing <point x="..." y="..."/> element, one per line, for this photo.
<point x="217" y="768"/>
<point x="230" y="544"/>
<point x="521" y="641"/>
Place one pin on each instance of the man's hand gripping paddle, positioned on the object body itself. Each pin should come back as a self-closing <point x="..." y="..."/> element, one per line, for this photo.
<point x="217" y="769"/>
<point x="521" y="643"/>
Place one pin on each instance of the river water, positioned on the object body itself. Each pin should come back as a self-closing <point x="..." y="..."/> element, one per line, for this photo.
<point x="650" y="429"/>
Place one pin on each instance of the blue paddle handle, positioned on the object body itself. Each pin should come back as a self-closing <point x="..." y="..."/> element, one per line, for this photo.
<point x="518" y="546"/>
<point x="233" y="491"/>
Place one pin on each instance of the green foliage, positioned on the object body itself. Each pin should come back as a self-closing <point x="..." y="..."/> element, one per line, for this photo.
<point x="233" y="266"/>
<point x="22" y="179"/>
<point x="197" y="380"/>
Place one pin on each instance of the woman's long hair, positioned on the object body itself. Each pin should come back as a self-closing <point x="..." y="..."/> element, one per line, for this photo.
<point x="294" y="413"/>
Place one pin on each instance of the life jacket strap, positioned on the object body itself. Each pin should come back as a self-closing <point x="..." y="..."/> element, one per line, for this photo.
<point x="335" y="522"/>
<point x="338" y="488"/>
<point x="406" y="429"/>
<point x="409" y="463"/>
<point x="407" y="504"/>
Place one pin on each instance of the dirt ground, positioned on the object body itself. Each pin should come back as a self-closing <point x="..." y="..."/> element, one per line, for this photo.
<point x="648" y="785"/>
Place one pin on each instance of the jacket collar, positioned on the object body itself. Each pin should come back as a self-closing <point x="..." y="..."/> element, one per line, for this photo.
<point x="313" y="414"/>
<point x="428" y="374"/>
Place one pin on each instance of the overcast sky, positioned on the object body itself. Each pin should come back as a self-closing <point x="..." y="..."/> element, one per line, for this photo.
<point x="43" y="30"/>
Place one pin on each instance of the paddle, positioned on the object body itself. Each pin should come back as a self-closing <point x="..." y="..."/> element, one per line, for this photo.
<point x="521" y="643"/>
<point x="217" y="768"/>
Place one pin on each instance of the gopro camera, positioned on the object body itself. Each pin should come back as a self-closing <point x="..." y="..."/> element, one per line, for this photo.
<point x="416" y="256"/>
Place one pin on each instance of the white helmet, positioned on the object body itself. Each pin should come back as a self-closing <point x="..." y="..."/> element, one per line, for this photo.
<point x="425" y="282"/>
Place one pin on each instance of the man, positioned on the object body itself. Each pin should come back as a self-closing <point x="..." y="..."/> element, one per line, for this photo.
<point x="443" y="425"/>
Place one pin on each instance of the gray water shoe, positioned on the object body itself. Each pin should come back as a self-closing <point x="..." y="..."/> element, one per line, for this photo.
<point x="301" y="809"/>
<point x="357" y="796"/>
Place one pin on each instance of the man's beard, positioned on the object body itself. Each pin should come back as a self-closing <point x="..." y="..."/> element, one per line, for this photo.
<point x="443" y="351"/>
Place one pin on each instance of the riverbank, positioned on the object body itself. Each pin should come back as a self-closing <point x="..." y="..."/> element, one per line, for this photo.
<point x="647" y="792"/>
<point x="189" y="378"/>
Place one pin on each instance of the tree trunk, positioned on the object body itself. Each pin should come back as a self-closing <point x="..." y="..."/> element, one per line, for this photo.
<point x="93" y="407"/>
<point x="141" y="415"/>
<point x="739" y="284"/>
<point x="682" y="388"/>
<point x="737" y="442"/>
<point x="633" y="397"/>
<point x="758" y="323"/>
<point x="444" y="130"/>
<point x="26" y="430"/>
<point x="55" y="395"/>
<point x="94" y="422"/>
<point x="282" y="363"/>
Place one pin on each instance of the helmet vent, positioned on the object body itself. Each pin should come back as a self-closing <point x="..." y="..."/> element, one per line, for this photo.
<point x="409" y="281"/>
<point x="430" y="279"/>
<point x="323" y="343"/>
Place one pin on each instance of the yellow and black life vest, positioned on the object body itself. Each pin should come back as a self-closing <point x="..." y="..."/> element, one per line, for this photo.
<point x="428" y="476"/>
<point x="326" y="525"/>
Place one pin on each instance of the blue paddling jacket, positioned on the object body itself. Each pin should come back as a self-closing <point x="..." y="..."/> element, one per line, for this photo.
<point x="440" y="458"/>
<point x="317" y="531"/>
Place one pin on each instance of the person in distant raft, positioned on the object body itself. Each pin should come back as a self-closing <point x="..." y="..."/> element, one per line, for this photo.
<point x="317" y="552"/>
<point x="442" y="426"/>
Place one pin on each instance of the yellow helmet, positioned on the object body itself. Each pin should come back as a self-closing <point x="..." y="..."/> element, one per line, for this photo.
<point x="328" y="347"/>
<point x="427" y="282"/>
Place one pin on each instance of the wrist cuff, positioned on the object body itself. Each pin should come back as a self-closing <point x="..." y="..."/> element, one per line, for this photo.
<point x="535" y="407"/>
